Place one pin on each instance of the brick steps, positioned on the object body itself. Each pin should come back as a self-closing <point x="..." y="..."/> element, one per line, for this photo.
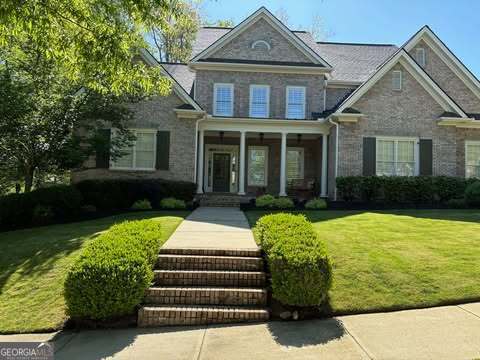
<point x="206" y="286"/>
<point x="213" y="252"/>
<point x="203" y="262"/>
<point x="201" y="295"/>
<point x="198" y="315"/>
<point x="210" y="278"/>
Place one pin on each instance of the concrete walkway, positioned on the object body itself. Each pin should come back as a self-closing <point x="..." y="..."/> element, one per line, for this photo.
<point x="449" y="332"/>
<point x="214" y="228"/>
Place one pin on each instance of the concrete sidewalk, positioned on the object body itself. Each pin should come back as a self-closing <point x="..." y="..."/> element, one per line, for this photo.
<point x="215" y="228"/>
<point x="449" y="332"/>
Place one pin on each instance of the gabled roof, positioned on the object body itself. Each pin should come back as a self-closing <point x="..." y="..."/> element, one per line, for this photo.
<point x="177" y="88"/>
<point x="443" y="52"/>
<point x="402" y="57"/>
<point x="184" y="76"/>
<point x="354" y="62"/>
<point x="263" y="13"/>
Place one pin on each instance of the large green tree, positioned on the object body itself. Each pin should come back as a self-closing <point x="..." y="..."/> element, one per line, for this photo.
<point x="47" y="123"/>
<point x="90" y="41"/>
<point x="173" y="40"/>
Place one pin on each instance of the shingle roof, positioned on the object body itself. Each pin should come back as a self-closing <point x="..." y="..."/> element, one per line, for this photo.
<point x="182" y="74"/>
<point x="354" y="62"/>
<point x="350" y="62"/>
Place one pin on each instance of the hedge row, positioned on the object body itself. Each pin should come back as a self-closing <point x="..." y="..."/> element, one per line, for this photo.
<point x="107" y="195"/>
<point x="300" y="267"/>
<point x="111" y="275"/>
<point x="400" y="189"/>
<point x="43" y="206"/>
<point x="62" y="203"/>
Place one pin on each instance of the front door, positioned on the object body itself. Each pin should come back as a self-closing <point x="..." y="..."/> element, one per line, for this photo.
<point x="221" y="172"/>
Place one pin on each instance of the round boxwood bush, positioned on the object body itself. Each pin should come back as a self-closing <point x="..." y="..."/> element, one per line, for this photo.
<point x="142" y="205"/>
<point x="283" y="203"/>
<point x="472" y="194"/>
<point x="111" y="275"/>
<point x="172" y="203"/>
<point x="316" y="204"/>
<point x="300" y="267"/>
<point x="265" y="201"/>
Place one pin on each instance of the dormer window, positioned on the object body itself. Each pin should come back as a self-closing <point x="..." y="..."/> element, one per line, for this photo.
<point x="420" y="56"/>
<point x="261" y="45"/>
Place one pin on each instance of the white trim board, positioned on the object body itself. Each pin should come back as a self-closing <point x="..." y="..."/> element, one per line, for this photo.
<point x="263" y="13"/>
<point x="446" y="55"/>
<point x="416" y="71"/>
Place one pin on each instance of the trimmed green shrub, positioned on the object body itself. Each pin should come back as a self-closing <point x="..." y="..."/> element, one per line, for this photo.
<point x="401" y="189"/>
<point x="457" y="203"/>
<point x="142" y="205"/>
<point x="283" y="203"/>
<point x="472" y="194"/>
<point x="172" y="203"/>
<point x="300" y="267"/>
<point x="121" y="194"/>
<point x="316" y="204"/>
<point x="111" y="275"/>
<point x="264" y="201"/>
<point x="60" y="203"/>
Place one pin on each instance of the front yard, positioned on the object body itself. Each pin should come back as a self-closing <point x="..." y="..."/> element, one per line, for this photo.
<point x="34" y="263"/>
<point x="399" y="259"/>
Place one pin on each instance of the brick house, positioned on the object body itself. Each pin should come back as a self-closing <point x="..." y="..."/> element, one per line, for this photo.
<point x="260" y="108"/>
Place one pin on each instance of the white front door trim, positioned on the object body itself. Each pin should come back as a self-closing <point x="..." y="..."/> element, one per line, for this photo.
<point x="210" y="150"/>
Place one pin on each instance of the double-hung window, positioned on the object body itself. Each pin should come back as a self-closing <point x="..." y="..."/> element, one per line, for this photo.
<point x="259" y="101"/>
<point x="397" y="157"/>
<point x="223" y="99"/>
<point x="140" y="155"/>
<point x="295" y="102"/>
<point x="257" y="165"/>
<point x="472" y="159"/>
<point x="295" y="164"/>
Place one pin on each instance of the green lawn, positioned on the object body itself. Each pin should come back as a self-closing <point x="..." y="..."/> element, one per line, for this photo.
<point x="34" y="263"/>
<point x="399" y="259"/>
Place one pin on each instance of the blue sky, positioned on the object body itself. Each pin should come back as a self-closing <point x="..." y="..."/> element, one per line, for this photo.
<point x="457" y="23"/>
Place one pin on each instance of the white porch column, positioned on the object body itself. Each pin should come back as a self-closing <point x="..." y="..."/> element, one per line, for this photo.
<point x="241" y="172"/>
<point x="323" y="184"/>
<point x="283" y="165"/>
<point x="201" y="163"/>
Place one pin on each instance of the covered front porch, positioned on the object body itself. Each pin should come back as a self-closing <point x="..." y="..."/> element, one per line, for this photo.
<point x="255" y="156"/>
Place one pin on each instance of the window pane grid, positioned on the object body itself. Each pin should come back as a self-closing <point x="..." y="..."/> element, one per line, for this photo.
<point x="141" y="155"/>
<point x="473" y="160"/>
<point x="223" y="100"/>
<point x="259" y="101"/>
<point x="295" y="164"/>
<point x="395" y="157"/>
<point x="296" y="103"/>
<point x="257" y="167"/>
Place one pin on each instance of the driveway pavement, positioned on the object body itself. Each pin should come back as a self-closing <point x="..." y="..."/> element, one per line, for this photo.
<point x="449" y="332"/>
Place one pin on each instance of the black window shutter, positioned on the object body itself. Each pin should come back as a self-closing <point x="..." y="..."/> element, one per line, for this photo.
<point x="369" y="156"/>
<point x="426" y="157"/>
<point x="163" y="150"/>
<point x="102" y="156"/>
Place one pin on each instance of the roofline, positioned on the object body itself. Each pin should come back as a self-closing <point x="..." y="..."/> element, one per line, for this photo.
<point x="230" y="28"/>
<point x="301" y="45"/>
<point x="471" y="81"/>
<point x="171" y="63"/>
<point x="362" y="89"/>
<point x="354" y="44"/>
<point x="181" y="92"/>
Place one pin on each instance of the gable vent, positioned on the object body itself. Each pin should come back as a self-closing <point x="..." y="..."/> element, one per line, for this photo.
<point x="261" y="45"/>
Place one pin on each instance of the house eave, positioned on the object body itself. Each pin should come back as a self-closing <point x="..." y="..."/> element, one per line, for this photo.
<point x="347" y="117"/>
<point x="189" y="114"/>
<point x="468" y="123"/>
<point x="289" y="69"/>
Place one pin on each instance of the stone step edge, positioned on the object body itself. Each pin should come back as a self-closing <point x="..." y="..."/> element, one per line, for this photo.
<point x="236" y="272"/>
<point x="212" y="252"/>
<point x="219" y="257"/>
<point x="207" y="288"/>
<point x="160" y="315"/>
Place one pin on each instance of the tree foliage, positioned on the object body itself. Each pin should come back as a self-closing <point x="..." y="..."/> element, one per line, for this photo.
<point x="174" y="39"/>
<point x="40" y="112"/>
<point x="90" y="42"/>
